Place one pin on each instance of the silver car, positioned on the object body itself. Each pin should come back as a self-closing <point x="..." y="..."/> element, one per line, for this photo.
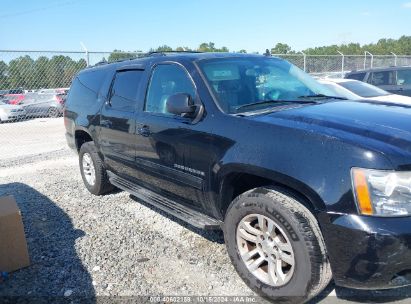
<point x="11" y="112"/>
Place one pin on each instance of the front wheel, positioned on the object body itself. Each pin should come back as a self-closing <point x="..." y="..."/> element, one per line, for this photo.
<point x="92" y="170"/>
<point x="276" y="246"/>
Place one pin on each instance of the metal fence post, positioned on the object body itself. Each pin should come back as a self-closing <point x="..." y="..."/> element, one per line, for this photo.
<point x="305" y="61"/>
<point x="342" y="63"/>
<point x="86" y="53"/>
<point x="395" y="58"/>
<point x="365" y="59"/>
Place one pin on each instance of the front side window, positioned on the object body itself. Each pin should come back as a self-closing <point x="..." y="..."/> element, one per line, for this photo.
<point x="254" y="83"/>
<point x="167" y="80"/>
<point x="404" y="77"/>
<point x="125" y="89"/>
<point x="383" y="78"/>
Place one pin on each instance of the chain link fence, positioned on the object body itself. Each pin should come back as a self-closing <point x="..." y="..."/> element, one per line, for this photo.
<point x="34" y="85"/>
<point x="338" y="65"/>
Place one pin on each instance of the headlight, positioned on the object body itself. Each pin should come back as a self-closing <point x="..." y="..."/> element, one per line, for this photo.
<point x="382" y="193"/>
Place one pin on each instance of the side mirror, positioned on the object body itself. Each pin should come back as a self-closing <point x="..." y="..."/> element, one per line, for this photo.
<point x="181" y="103"/>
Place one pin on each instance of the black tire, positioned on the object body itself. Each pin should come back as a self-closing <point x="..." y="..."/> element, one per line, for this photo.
<point x="312" y="272"/>
<point x="53" y="113"/>
<point x="102" y="184"/>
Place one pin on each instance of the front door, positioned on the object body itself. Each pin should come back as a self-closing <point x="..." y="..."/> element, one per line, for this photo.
<point x="164" y="139"/>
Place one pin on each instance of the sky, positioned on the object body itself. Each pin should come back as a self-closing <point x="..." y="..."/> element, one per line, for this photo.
<point x="252" y="25"/>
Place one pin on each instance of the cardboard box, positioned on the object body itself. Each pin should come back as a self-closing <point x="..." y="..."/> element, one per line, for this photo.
<point x="13" y="246"/>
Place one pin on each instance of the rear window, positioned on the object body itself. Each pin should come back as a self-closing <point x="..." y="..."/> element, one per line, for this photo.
<point x="356" y="76"/>
<point x="92" y="79"/>
<point x="363" y="89"/>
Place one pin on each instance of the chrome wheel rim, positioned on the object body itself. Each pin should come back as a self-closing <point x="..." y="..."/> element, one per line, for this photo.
<point x="265" y="250"/>
<point x="89" y="171"/>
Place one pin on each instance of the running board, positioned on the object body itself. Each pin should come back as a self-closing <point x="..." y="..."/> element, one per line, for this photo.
<point x="186" y="214"/>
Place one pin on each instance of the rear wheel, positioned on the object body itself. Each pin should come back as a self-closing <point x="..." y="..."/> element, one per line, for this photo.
<point x="276" y="246"/>
<point x="92" y="170"/>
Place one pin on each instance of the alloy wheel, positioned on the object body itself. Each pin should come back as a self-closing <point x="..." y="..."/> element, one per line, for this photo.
<point x="265" y="250"/>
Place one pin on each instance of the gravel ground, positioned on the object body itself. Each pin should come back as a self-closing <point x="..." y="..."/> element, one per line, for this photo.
<point x="82" y="245"/>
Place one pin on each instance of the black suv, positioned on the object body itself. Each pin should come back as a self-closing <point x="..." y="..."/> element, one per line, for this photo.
<point x="396" y="80"/>
<point x="306" y="187"/>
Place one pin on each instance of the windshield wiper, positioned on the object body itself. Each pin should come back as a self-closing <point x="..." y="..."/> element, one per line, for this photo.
<point x="272" y="101"/>
<point x="321" y="96"/>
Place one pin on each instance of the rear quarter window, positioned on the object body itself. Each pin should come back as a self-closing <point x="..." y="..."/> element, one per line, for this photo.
<point x="85" y="87"/>
<point x="93" y="79"/>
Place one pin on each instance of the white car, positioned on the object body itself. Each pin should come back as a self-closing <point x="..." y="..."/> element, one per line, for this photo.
<point x="358" y="90"/>
<point x="11" y="112"/>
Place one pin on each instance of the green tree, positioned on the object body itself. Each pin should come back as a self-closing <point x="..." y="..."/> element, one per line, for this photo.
<point x="210" y="47"/>
<point x="4" y="81"/>
<point x="40" y="79"/>
<point x="117" y="55"/>
<point x="20" y="72"/>
<point x="281" y="48"/>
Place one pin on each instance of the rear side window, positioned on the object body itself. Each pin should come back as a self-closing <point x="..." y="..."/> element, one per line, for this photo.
<point x="383" y="78"/>
<point x="356" y="76"/>
<point x="125" y="89"/>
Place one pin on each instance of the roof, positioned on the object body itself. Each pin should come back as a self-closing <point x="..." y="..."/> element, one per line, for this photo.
<point x="177" y="56"/>
<point x="390" y="68"/>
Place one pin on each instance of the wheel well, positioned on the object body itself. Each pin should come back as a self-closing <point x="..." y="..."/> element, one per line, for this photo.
<point x="81" y="138"/>
<point x="238" y="183"/>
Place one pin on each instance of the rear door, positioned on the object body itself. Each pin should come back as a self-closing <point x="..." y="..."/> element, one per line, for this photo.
<point x="117" y="122"/>
<point x="404" y="81"/>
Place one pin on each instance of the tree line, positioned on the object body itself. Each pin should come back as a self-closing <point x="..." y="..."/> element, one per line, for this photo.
<point x="58" y="71"/>
<point x="27" y="73"/>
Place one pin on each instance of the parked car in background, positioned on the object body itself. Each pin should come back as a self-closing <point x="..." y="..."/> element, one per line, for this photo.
<point x="46" y="104"/>
<point x="14" y="96"/>
<point x="355" y="89"/>
<point x="396" y="80"/>
<point x="53" y="91"/>
<point x="10" y="112"/>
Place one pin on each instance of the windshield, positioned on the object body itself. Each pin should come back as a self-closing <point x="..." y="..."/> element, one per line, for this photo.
<point x="259" y="82"/>
<point x="339" y="91"/>
<point x="363" y="89"/>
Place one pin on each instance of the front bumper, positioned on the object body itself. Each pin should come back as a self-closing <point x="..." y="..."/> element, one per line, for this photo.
<point x="368" y="252"/>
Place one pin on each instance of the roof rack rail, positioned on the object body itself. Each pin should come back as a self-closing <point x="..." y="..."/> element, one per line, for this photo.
<point x="164" y="53"/>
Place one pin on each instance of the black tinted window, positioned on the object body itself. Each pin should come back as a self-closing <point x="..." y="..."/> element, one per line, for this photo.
<point x="357" y="76"/>
<point x="125" y="89"/>
<point x="404" y="77"/>
<point x="383" y="78"/>
<point x="166" y="80"/>
<point x="92" y="79"/>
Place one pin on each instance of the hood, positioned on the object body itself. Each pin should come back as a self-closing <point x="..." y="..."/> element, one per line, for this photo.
<point x="375" y="125"/>
<point x="400" y="99"/>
